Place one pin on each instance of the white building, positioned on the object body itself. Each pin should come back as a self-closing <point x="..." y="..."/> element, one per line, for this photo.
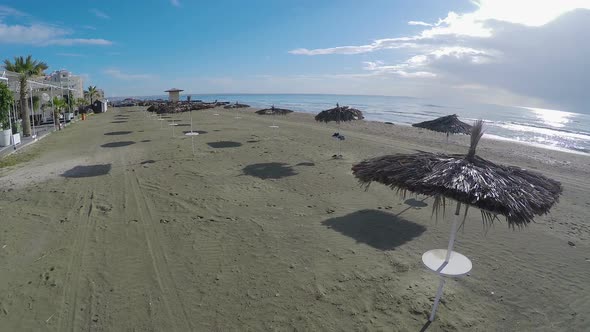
<point x="174" y="94"/>
<point x="65" y="79"/>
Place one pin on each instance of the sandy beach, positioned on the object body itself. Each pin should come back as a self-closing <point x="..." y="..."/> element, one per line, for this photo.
<point x="117" y="226"/>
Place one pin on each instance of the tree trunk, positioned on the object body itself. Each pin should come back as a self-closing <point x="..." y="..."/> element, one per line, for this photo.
<point x="24" y="107"/>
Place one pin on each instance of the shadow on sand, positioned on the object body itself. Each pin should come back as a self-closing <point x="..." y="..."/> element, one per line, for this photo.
<point x="146" y="140"/>
<point x="307" y="163"/>
<point x="224" y="144"/>
<point x="269" y="170"/>
<point x="117" y="144"/>
<point x="87" y="171"/>
<point x="115" y="133"/>
<point x="118" y="121"/>
<point x="415" y="203"/>
<point x="378" y="229"/>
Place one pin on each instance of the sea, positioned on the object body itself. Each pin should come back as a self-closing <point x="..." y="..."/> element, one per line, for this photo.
<point x="552" y="129"/>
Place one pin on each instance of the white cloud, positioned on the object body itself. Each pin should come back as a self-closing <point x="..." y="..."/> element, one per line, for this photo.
<point x="419" y="23"/>
<point x="9" y="11"/>
<point x="78" y="41"/>
<point x="175" y="3"/>
<point x="32" y="34"/>
<point x="39" y="34"/>
<point x="118" y="74"/>
<point x="536" y="49"/>
<point x="379" y="44"/>
<point x="99" y="13"/>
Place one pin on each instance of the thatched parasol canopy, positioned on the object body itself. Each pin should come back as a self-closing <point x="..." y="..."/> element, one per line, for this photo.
<point x="446" y="124"/>
<point x="513" y="192"/>
<point x="236" y="105"/>
<point x="339" y="114"/>
<point x="274" y="111"/>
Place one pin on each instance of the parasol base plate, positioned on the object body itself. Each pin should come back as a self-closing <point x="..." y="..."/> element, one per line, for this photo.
<point x="273" y="126"/>
<point x="337" y="156"/>
<point x="238" y="117"/>
<point x="215" y="114"/>
<point x="458" y="265"/>
<point x="192" y="133"/>
<point x="173" y="124"/>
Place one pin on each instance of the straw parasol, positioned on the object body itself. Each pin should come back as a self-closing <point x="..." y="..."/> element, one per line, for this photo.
<point x="449" y="124"/>
<point x="274" y="111"/>
<point x="515" y="193"/>
<point x="339" y="114"/>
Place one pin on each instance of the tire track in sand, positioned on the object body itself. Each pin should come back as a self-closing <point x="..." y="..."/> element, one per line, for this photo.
<point x="67" y="312"/>
<point x="170" y="294"/>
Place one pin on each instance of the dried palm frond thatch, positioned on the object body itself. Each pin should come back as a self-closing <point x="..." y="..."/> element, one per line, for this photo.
<point x="447" y="124"/>
<point x="513" y="192"/>
<point x="236" y="105"/>
<point x="274" y="111"/>
<point x="339" y="114"/>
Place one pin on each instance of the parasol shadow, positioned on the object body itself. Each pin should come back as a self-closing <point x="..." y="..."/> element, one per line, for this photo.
<point x="117" y="144"/>
<point x="269" y="170"/>
<point x="116" y="133"/>
<point x="87" y="171"/>
<point x="377" y="229"/>
<point x="224" y="144"/>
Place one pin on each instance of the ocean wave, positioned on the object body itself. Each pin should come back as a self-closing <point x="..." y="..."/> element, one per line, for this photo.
<point x="543" y="130"/>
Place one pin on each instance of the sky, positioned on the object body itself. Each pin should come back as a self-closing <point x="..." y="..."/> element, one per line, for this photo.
<point x="532" y="53"/>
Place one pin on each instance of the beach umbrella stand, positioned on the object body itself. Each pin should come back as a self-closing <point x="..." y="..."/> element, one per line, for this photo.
<point x="496" y="190"/>
<point x="173" y="126"/>
<point x="273" y="111"/>
<point x="446" y="263"/>
<point x="192" y="134"/>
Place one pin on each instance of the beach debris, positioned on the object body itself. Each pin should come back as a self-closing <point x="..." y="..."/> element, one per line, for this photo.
<point x="236" y="105"/>
<point x="338" y="136"/>
<point x="571" y="243"/>
<point x="515" y="193"/>
<point x="274" y="111"/>
<point x="165" y="107"/>
<point x="449" y="124"/>
<point x="47" y="320"/>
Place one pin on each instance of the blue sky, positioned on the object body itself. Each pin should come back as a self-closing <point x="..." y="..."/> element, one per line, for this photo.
<point x="458" y="49"/>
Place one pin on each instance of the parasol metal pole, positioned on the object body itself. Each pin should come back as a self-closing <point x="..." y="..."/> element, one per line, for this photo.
<point x="437" y="298"/>
<point x="453" y="234"/>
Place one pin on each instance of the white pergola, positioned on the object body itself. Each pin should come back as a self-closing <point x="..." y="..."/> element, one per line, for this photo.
<point x="12" y="79"/>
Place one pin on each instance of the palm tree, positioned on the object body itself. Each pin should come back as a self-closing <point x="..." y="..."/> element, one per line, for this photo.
<point x="59" y="104"/>
<point x="26" y="68"/>
<point x="92" y="92"/>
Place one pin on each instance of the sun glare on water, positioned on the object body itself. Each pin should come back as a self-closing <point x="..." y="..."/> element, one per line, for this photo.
<point x="553" y="118"/>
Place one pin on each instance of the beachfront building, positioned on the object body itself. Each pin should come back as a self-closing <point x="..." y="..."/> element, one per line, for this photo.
<point x="67" y="80"/>
<point x="174" y="94"/>
<point x="100" y="105"/>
